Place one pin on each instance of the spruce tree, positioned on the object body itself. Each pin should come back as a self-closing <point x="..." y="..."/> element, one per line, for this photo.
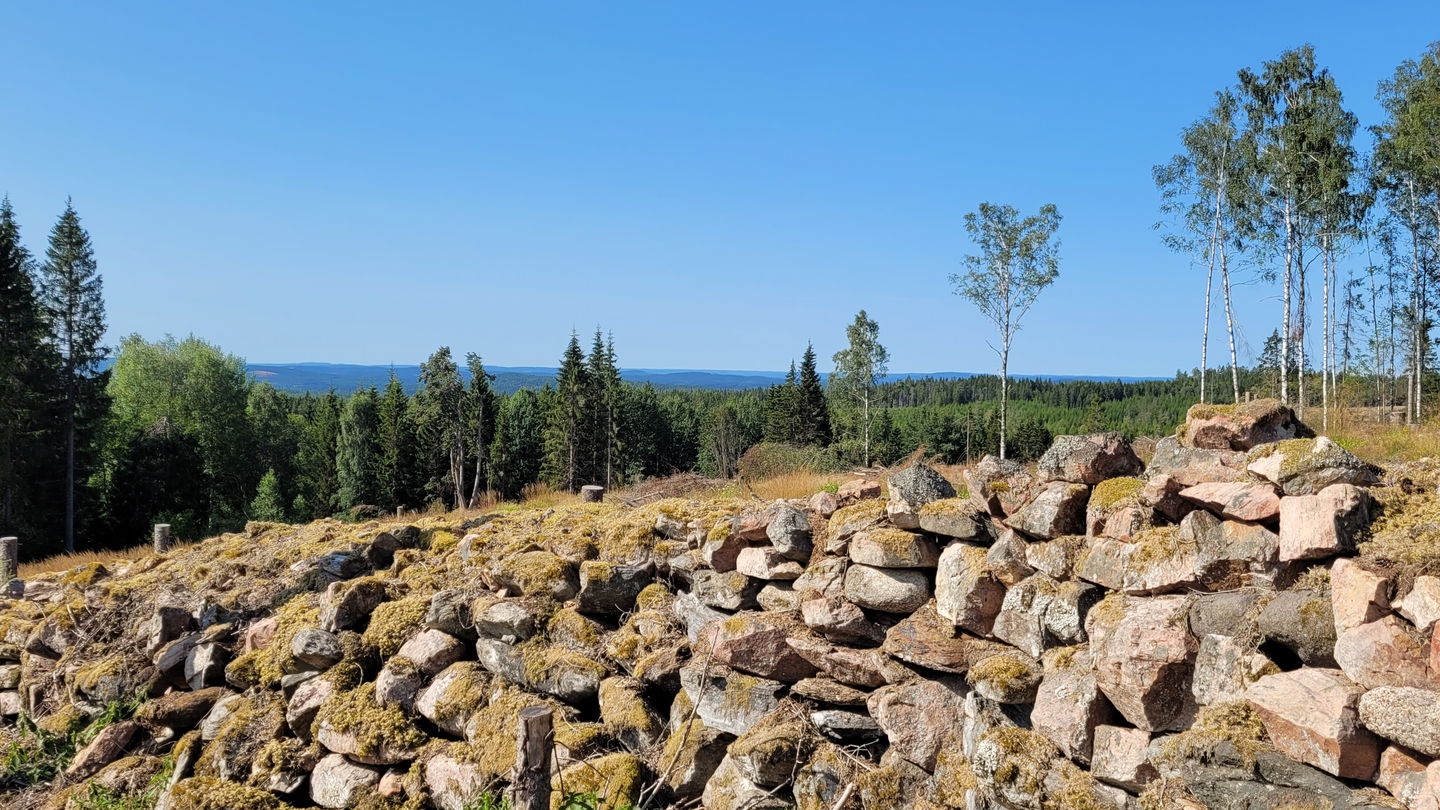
<point x="480" y="407"/>
<point x="25" y="358"/>
<point x="603" y="403"/>
<point x="72" y="294"/>
<point x="396" y="452"/>
<point x="269" y="503"/>
<point x="442" y="426"/>
<point x="566" y="423"/>
<point x="315" y="458"/>
<point x="357" y="451"/>
<point x="519" y="443"/>
<point x="812" y="411"/>
<point x="782" y="410"/>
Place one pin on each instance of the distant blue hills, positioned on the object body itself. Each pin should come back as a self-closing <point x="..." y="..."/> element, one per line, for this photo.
<point x="344" y="377"/>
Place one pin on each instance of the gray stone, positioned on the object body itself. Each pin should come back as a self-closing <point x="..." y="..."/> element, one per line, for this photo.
<point x="912" y="488"/>
<point x="1089" y="459"/>
<point x="1406" y="715"/>
<point x="610" y="589"/>
<point x="789" y="533"/>
<point x="1056" y="510"/>
<point x="891" y="590"/>
<point x="726" y="700"/>
<point x="316" y="648"/>
<point x="337" y="782"/>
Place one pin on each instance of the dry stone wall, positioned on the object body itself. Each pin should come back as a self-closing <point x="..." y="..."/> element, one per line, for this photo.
<point x="1092" y="633"/>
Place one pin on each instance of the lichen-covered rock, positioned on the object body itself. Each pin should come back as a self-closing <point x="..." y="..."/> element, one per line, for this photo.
<point x="508" y="620"/>
<point x="693" y="751"/>
<point x="822" y="780"/>
<point x="911" y="489"/>
<point x="779" y="596"/>
<point x="918" y="717"/>
<point x="1056" y="510"/>
<point x="107" y="746"/>
<point x="337" y="782"/>
<point x="1302" y="622"/>
<point x="728" y="789"/>
<point x="316" y="648"/>
<point x="399" y="683"/>
<point x="1406" y="715"/>
<point x="999" y="486"/>
<point x="727" y="700"/>
<point x="1241" y="426"/>
<point x="627" y="714"/>
<point x="789" y="533"/>
<point x="828" y="691"/>
<point x="1224" y="668"/>
<point x="180" y="710"/>
<point x="1007" y="557"/>
<point x="955" y="518"/>
<point x="893" y="548"/>
<point x="609" y="589"/>
<point x="1324" y="524"/>
<point x="966" y="593"/>
<point x="1068" y="704"/>
<point x="1122" y="757"/>
<point x="727" y="591"/>
<point x="352" y="723"/>
<point x="863" y="668"/>
<point x="1089" y="459"/>
<point x="1188" y="466"/>
<point x="452" y="779"/>
<point x="1307" y="466"/>
<point x="1006" y="677"/>
<point x="1012" y="764"/>
<point x="538" y="573"/>
<point x="1312" y="715"/>
<point x="1143" y="656"/>
<point x="346" y="605"/>
<point x="891" y="590"/>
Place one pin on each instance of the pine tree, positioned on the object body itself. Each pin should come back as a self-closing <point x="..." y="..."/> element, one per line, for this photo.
<point x="603" y="403"/>
<point x="566" y="428"/>
<point x="812" y="415"/>
<point x="25" y="358"/>
<point x="357" y="451"/>
<point x="269" y="503"/>
<point x="72" y="294"/>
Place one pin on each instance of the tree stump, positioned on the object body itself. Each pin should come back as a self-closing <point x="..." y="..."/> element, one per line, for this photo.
<point x="590" y="493"/>
<point x="162" y="538"/>
<point x="530" y="786"/>
<point x="9" y="558"/>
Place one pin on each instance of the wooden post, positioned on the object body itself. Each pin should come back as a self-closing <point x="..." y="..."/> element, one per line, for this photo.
<point x="590" y="493"/>
<point x="9" y="558"/>
<point x="162" y="538"/>
<point x="530" y="786"/>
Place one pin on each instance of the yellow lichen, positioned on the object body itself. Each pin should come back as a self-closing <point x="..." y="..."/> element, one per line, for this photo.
<point x="375" y="729"/>
<point x="1115" y="491"/>
<point x="392" y="623"/>
<point x="1233" y="722"/>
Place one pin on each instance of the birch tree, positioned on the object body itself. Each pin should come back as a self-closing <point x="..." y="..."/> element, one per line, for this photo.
<point x="1018" y="259"/>
<point x="859" y="369"/>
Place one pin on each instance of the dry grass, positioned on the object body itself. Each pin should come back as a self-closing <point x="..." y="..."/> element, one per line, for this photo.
<point x="1385" y="443"/>
<point x="64" y="562"/>
<point x="795" y="484"/>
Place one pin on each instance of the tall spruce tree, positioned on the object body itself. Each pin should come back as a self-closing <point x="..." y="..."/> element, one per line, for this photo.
<point x="315" y="459"/>
<point x="603" y="404"/>
<point x="25" y="362"/>
<point x="72" y="294"/>
<point x="357" y="450"/>
<point x="812" y="409"/>
<point x="481" y="403"/>
<point x="782" y="410"/>
<point x="519" y="443"/>
<point x="396" y="452"/>
<point x="567" y="423"/>
<point x="442" y="427"/>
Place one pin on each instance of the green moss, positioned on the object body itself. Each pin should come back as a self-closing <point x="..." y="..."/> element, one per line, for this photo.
<point x="948" y="507"/>
<point x="392" y="623"/>
<point x="611" y="782"/>
<point x="201" y="793"/>
<point x="1115" y="491"/>
<point x="1027" y="758"/>
<point x="84" y="576"/>
<point x="1160" y="543"/>
<point x="654" y="597"/>
<point x="375" y="729"/>
<point x="1234" y="722"/>
<point x="465" y="694"/>
<point x="1002" y="671"/>
<point x="857" y="514"/>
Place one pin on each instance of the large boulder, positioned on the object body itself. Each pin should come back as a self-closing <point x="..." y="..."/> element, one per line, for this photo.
<point x="337" y="782"/>
<point x="1301" y="622"/>
<point x="918" y="717"/>
<point x="758" y="643"/>
<point x="609" y="588"/>
<point x="891" y="590"/>
<point x="727" y="700"/>
<point x="1144" y="656"/>
<point x="1386" y="652"/>
<point x="1358" y="595"/>
<point x="789" y="533"/>
<point x="1089" y="459"/>
<point x="912" y="488"/>
<point x="1188" y="466"/>
<point x="999" y="486"/>
<point x="1312" y="715"/>
<point x="1402" y="714"/>
<point x="1069" y="705"/>
<point x="1241" y="426"/>
<point x="1237" y="500"/>
<point x="840" y="621"/>
<point x="1056" y="510"/>
<point x="893" y="548"/>
<point x="1324" y="524"/>
<point x="925" y="639"/>
<point x="965" y="591"/>
<point x="1306" y="466"/>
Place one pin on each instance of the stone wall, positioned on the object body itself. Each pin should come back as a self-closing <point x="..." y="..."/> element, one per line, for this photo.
<point x="1095" y="632"/>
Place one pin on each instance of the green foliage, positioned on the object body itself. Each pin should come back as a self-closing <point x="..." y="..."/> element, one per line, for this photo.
<point x="269" y="503"/>
<point x="357" y="455"/>
<point x="39" y="754"/>
<point x="98" y="797"/>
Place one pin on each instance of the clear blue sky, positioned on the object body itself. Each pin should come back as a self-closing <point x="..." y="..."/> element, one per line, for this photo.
<point x="715" y="182"/>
